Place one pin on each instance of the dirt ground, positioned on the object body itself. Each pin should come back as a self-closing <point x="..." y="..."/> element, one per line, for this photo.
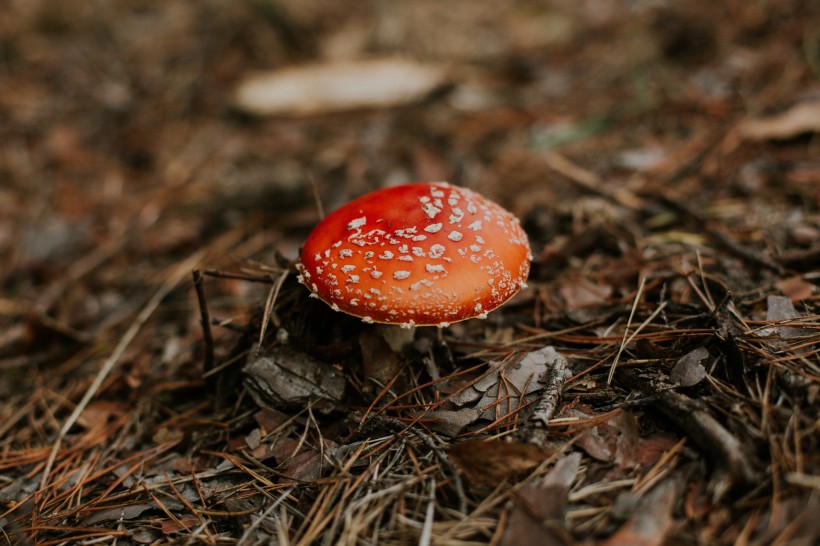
<point x="658" y="382"/>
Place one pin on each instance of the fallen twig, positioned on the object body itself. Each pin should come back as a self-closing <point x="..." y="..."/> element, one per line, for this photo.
<point x="703" y="428"/>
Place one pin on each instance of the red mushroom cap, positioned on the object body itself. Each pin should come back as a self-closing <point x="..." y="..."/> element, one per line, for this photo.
<point x="416" y="254"/>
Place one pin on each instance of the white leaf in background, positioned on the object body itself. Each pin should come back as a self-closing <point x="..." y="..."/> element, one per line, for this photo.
<point x="338" y="86"/>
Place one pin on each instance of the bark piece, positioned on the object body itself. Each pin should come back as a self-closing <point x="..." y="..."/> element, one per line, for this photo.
<point x="287" y="378"/>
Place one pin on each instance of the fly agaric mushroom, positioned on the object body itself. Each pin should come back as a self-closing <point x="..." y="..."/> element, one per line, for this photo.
<point x="416" y="254"/>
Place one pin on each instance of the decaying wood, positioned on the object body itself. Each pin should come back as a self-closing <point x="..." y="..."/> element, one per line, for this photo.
<point x="556" y="372"/>
<point x="725" y="450"/>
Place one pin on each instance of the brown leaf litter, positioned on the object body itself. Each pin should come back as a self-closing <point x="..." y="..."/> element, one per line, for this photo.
<point x="657" y="383"/>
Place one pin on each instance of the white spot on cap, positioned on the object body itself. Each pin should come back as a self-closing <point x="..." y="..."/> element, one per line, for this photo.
<point x="345" y="253"/>
<point x="475" y="226"/>
<point x="353" y="279"/>
<point x="348" y="268"/>
<point x="368" y="254"/>
<point x="375" y="274"/>
<point x="430" y="210"/>
<point x="418" y="251"/>
<point x="406" y="258"/>
<point x="434" y="268"/>
<point x="418" y="238"/>
<point x="407" y="232"/>
<point x="433" y="228"/>
<point x="357" y="223"/>
<point x="455" y="236"/>
<point x="368" y="320"/>
<point x="401" y="275"/>
<point x="437" y="251"/>
<point x="386" y="255"/>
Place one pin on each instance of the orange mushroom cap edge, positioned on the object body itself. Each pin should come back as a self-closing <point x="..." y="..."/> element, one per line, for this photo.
<point x="420" y="254"/>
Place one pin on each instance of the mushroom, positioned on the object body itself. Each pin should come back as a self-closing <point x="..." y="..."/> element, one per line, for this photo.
<point x="416" y="254"/>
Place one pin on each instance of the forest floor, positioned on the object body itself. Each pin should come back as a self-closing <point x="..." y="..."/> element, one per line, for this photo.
<point x="665" y="162"/>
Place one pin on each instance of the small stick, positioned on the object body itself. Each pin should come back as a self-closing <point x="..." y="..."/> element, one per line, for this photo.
<point x="319" y="208"/>
<point x="535" y="429"/>
<point x="205" y="320"/>
<point x="698" y="422"/>
<point x="546" y="406"/>
<point x="238" y="276"/>
<point x="272" y="295"/>
<point x="626" y="331"/>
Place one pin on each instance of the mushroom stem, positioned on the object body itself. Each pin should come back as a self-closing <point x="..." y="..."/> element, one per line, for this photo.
<point x="397" y="338"/>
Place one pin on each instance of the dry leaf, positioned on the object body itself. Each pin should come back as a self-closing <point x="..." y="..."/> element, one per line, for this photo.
<point x="306" y="466"/>
<point x="781" y="308"/>
<point x="652" y="520"/>
<point x="253" y="439"/>
<point x="450" y="422"/>
<point x="599" y="442"/>
<point x="97" y="414"/>
<point x="512" y="385"/>
<point x="338" y="86"/>
<point x="534" y="506"/>
<point x="491" y="461"/>
<point x="689" y="371"/>
<point x="795" y="288"/>
<point x="130" y="511"/>
<point x="187" y="522"/>
<point x="582" y="292"/>
<point x="801" y="118"/>
<point x="284" y="377"/>
<point x="270" y="419"/>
